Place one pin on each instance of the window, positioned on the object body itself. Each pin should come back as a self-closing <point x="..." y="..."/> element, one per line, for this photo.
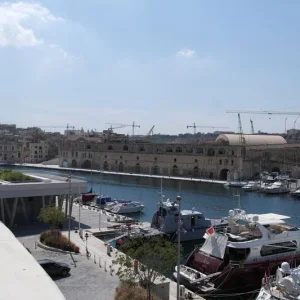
<point x="137" y="158"/>
<point x="210" y="152"/>
<point x="169" y="149"/>
<point x="110" y="147"/>
<point x="121" y="157"/>
<point x="125" y="148"/>
<point x="199" y="150"/>
<point x="221" y="151"/>
<point x="76" y="154"/>
<point x="232" y="152"/>
<point x="220" y="161"/>
<point x="232" y="162"/>
<point x="196" y="160"/>
<point x="142" y="149"/>
<point x="175" y="159"/>
<point x="278" y="248"/>
<point x="88" y="147"/>
<point x="178" y="150"/>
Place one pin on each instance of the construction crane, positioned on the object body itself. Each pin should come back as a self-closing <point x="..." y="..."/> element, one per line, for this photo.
<point x="149" y="134"/>
<point x="133" y="125"/>
<point x="252" y="127"/>
<point x="242" y="140"/>
<point x="194" y="126"/>
<point x="59" y="126"/>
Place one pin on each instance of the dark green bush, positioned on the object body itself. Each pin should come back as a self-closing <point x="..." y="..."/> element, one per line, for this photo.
<point x="10" y="175"/>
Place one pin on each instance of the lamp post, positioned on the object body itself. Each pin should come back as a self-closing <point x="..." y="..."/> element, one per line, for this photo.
<point x="70" y="203"/>
<point x="100" y="212"/>
<point x="178" y="198"/>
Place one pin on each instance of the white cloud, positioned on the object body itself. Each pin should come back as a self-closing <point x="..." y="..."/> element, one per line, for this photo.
<point x="188" y="53"/>
<point x="16" y="28"/>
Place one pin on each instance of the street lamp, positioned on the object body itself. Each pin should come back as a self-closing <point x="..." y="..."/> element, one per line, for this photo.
<point x="70" y="209"/>
<point x="178" y="198"/>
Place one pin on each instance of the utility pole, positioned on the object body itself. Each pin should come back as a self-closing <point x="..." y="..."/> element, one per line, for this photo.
<point x="70" y="210"/>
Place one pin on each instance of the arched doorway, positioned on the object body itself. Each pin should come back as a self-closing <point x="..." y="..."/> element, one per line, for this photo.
<point x="196" y="171"/>
<point x="121" y="167"/>
<point x="223" y="174"/>
<point x="276" y="169"/>
<point x="105" y="166"/>
<point x="137" y="168"/>
<point x="74" y="163"/>
<point x="64" y="163"/>
<point x="175" y="171"/>
<point x="87" y="164"/>
<point x="155" y="170"/>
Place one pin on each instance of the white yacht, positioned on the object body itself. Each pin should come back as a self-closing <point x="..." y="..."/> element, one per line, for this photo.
<point x="127" y="207"/>
<point x="284" y="285"/>
<point x="277" y="187"/>
<point x="251" y="186"/>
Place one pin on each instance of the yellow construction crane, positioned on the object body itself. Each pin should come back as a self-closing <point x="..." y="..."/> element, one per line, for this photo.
<point x="194" y="126"/>
<point x="133" y="125"/>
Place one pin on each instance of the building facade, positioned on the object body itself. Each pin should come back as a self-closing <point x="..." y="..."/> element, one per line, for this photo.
<point x="11" y="151"/>
<point x="195" y="160"/>
<point x="38" y="152"/>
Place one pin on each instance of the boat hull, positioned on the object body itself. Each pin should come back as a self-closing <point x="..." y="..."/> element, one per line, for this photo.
<point x="236" y="277"/>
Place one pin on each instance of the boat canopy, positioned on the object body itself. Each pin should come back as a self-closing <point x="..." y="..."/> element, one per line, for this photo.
<point x="215" y="245"/>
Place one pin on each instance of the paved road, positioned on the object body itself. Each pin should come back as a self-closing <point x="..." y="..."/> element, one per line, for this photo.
<point x="87" y="280"/>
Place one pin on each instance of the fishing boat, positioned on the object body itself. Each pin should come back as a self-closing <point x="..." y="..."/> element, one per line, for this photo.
<point x="245" y="249"/>
<point x="284" y="285"/>
<point x="127" y="207"/>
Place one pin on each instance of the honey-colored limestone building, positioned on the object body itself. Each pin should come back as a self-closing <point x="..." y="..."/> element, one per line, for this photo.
<point x="230" y="155"/>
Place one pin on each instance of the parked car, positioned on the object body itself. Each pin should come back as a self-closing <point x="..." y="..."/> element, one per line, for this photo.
<point x="53" y="268"/>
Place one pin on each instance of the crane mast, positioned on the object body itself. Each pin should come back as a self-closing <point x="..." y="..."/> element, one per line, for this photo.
<point x="252" y="127"/>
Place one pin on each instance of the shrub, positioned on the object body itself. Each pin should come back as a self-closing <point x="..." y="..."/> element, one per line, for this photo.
<point x="126" y="291"/>
<point x="10" y="175"/>
<point x="54" y="238"/>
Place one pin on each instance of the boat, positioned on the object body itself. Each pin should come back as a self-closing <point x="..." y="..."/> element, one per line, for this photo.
<point x="193" y="278"/>
<point x="193" y="223"/>
<point x="248" y="246"/>
<point x="296" y="192"/>
<point x="251" y="186"/>
<point x="235" y="184"/>
<point x="127" y="207"/>
<point x="284" y="285"/>
<point x="277" y="187"/>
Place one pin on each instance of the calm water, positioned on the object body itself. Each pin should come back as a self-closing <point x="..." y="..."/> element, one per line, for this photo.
<point x="213" y="200"/>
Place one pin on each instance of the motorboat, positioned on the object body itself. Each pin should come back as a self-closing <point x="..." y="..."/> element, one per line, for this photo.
<point x="277" y="187"/>
<point x="127" y="207"/>
<point x="237" y="184"/>
<point x="193" y="223"/>
<point x="251" y="186"/>
<point x="248" y="246"/>
<point x="284" y="285"/>
<point x="296" y="192"/>
<point x="191" y="278"/>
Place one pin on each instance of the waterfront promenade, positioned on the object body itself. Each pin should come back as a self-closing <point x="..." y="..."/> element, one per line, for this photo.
<point x="57" y="167"/>
<point x="96" y="221"/>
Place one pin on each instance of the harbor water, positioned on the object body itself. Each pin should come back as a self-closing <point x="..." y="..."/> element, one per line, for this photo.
<point x="212" y="199"/>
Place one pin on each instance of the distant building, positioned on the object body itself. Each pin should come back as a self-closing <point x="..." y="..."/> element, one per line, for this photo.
<point x="11" y="151"/>
<point x="38" y="152"/>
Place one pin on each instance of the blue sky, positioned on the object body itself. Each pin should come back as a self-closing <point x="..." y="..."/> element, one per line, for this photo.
<point x="163" y="63"/>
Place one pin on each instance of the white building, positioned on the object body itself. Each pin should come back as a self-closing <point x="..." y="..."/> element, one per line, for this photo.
<point x="38" y="152"/>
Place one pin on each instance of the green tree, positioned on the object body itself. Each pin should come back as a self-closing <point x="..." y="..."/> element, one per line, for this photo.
<point x="157" y="257"/>
<point x="52" y="216"/>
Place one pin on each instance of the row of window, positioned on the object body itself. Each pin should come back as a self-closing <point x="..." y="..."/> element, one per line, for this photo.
<point x="12" y="156"/>
<point x="169" y="149"/>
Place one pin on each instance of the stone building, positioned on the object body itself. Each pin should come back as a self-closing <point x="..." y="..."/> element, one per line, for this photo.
<point x="38" y="152"/>
<point x="230" y="155"/>
<point x="11" y="151"/>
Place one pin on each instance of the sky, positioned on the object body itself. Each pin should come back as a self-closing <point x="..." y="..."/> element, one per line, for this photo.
<point x="165" y="63"/>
